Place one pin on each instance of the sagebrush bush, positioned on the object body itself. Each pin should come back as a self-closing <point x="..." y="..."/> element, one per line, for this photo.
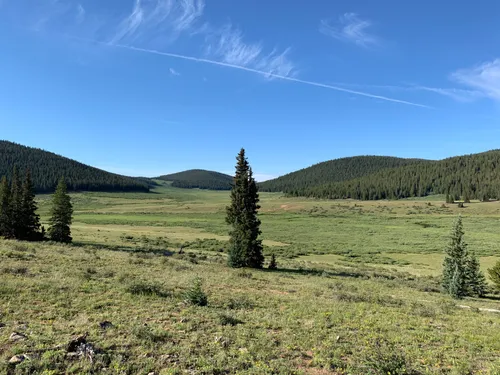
<point x="229" y="320"/>
<point x="15" y="270"/>
<point x="244" y="274"/>
<point x="383" y="358"/>
<point x="239" y="302"/>
<point x="147" y="289"/>
<point x="150" y="335"/>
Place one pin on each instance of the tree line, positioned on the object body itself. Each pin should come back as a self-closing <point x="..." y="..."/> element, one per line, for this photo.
<point x="47" y="168"/>
<point x="199" y="179"/>
<point x="464" y="177"/>
<point x="206" y="185"/>
<point x="337" y="170"/>
<point x="18" y="211"/>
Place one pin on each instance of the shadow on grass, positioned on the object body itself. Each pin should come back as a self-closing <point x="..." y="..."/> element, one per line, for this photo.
<point x="490" y="297"/>
<point x="129" y="249"/>
<point x="318" y="272"/>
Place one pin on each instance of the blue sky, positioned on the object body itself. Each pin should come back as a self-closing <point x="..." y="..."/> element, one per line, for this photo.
<point x="147" y="87"/>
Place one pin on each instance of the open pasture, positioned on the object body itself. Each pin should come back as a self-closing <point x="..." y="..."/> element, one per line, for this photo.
<point x="355" y="291"/>
<point x="407" y="233"/>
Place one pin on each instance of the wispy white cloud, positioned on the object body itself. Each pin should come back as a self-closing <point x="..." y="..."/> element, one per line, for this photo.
<point x="459" y="95"/>
<point x="165" y="19"/>
<point x="174" y="72"/>
<point x="228" y="46"/>
<point x="350" y="28"/>
<point x="481" y="81"/>
<point x="80" y="13"/>
<point x="483" y="78"/>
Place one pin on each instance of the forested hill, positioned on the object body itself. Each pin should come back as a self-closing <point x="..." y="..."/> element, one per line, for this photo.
<point x="333" y="171"/>
<point x="199" y="179"/>
<point x="475" y="176"/>
<point x="46" y="168"/>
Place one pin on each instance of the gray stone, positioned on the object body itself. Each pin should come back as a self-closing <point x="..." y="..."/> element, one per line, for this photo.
<point x="16" y="336"/>
<point x="17" y="359"/>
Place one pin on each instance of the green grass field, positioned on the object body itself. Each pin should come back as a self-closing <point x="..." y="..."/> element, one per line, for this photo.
<point x="356" y="292"/>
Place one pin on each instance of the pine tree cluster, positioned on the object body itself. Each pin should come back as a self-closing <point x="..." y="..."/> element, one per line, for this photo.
<point x="462" y="276"/>
<point x="18" y="217"/>
<point x="245" y="247"/>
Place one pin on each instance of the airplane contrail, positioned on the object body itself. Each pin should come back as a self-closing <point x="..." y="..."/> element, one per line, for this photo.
<point x="260" y="72"/>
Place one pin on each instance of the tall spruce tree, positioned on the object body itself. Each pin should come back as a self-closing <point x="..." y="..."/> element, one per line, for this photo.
<point x="245" y="247"/>
<point x="30" y="221"/>
<point x="476" y="282"/>
<point x="61" y="214"/>
<point x="16" y="201"/>
<point x="6" y="229"/>
<point x="255" y="258"/>
<point x="455" y="263"/>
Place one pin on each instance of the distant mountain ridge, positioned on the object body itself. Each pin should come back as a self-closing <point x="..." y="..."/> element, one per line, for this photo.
<point x="199" y="179"/>
<point x="336" y="170"/>
<point x="46" y="168"/>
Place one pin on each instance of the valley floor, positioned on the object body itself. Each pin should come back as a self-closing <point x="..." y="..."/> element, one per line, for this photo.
<point x="355" y="292"/>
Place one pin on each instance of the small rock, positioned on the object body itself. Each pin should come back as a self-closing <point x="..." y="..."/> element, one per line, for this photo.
<point x="106" y="324"/>
<point x="16" y="336"/>
<point x="2" y="325"/>
<point x="152" y="373"/>
<point x="75" y="343"/>
<point x="17" y="359"/>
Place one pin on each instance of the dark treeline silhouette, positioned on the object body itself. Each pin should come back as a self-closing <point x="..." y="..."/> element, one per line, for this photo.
<point x="475" y="176"/>
<point x="333" y="171"/>
<point x="199" y="179"/>
<point x="18" y="217"/>
<point x="47" y="168"/>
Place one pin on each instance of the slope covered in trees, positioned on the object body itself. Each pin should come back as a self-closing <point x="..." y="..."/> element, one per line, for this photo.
<point x="199" y="179"/>
<point x="47" y="168"/>
<point x="475" y="176"/>
<point x="333" y="171"/>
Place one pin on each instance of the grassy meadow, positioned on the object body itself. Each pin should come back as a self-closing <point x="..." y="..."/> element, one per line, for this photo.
<point x="356" y="291"/>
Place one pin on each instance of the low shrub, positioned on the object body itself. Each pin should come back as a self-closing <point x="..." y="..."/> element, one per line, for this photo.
<point x="229" y="320"/>
<point x="244" y="274"/>
<point x="195" y="294"/>
<point x="150" y="335"/>
<point x="239" y="302"/>
<point x="142" y="288"/>
<point x="385" y="358"/>
<point x="15" y="270"/>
